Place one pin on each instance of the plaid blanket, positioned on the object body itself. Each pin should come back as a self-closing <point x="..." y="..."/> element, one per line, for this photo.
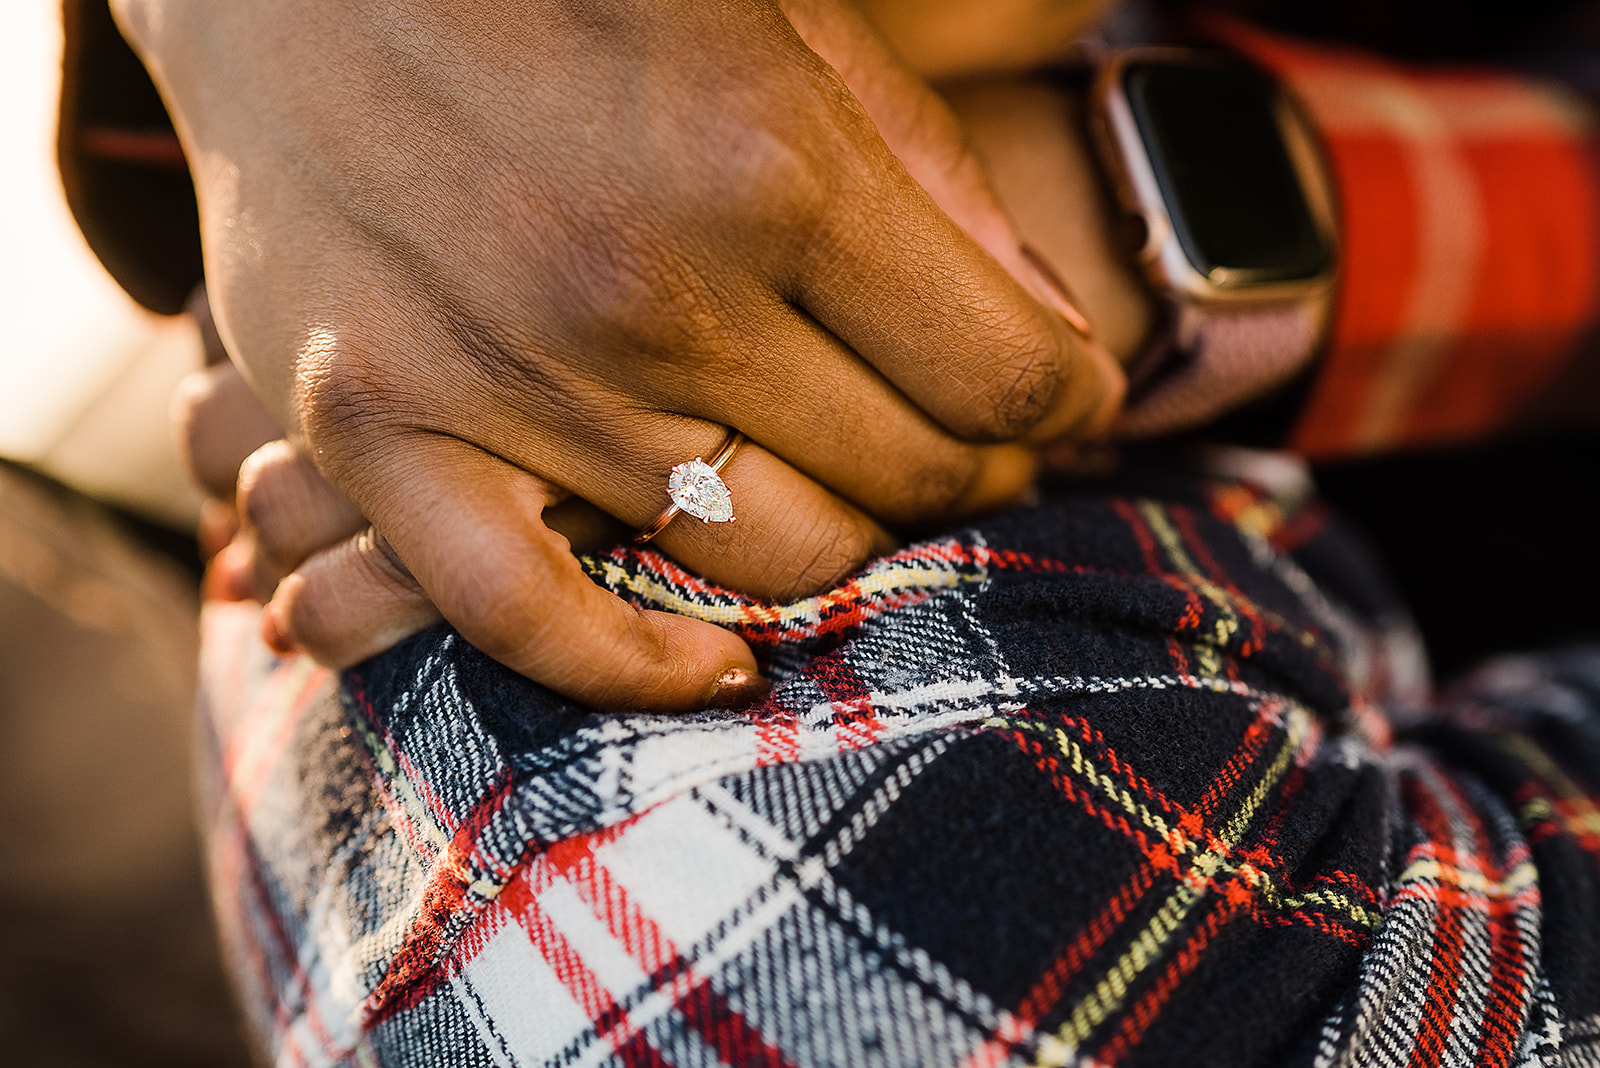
<point x="1148" y="773"/>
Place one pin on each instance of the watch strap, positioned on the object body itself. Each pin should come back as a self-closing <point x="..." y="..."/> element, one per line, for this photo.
<point x="1213" y="359"/>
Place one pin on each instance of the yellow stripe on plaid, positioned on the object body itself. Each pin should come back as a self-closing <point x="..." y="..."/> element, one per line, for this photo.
<point x="1521" y="878"/>
<point x="1209" y="648"/>
<point x="1226" y="602"/>
<point x="877" y="584"/>
<point x="1579" y="815"/>
<point x="1149" y="945"/>
<point x="421" y="816"/>
<point x="416" y="810"/>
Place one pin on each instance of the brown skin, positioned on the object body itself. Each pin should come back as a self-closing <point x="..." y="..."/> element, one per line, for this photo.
<point x="482" y="258"/>
<point x="339" y="592"/>
<point x="945" y="39"/>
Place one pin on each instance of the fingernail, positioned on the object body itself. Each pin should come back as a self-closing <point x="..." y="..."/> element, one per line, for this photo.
<point x="736" y="688"/>
<point x="228" y="578"/>
<point x="272" y="632"/>
<point x="1056" y="292"/>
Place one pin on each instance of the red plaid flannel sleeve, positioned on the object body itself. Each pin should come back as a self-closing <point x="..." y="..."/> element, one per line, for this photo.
<point x="1470" y="217"/>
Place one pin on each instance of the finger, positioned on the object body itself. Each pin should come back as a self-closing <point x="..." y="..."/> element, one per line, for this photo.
<point x="1045" y="380"/>
<point x="838" y="421"/>
<point x="355" y="598"/>
<point x="348" y="602"/>
<point x="288" y="511"/>
<point x="945" y="323"/>
<point x="791" y="536"/>
<point x="913" y="121"/>
<point x="218" y="524"/>
<point x="219" y="422"/>
<point x="923" y="132"/>
<point x="468" y="525"/>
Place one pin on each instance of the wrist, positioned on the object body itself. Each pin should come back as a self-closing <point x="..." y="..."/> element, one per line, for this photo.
<point x="1033" y="139"/>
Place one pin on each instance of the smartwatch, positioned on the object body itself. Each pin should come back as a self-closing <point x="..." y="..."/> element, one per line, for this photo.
<point x="1232" y="213"/>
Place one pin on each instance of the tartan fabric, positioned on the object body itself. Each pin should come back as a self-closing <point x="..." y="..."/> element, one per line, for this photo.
<point x="1143" y="774"/>
<point x="1469" y="204"/>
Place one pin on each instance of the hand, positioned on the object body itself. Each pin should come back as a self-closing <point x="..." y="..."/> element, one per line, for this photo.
<point x="481" y="258"/>
<point x="273" y="529"/>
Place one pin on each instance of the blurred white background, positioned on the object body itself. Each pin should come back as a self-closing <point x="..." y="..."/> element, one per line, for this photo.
<point x="85" y="374"/>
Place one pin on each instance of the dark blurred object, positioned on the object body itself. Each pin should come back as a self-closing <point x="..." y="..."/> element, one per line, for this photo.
<point x="1494" y="547"/>
<point x="107" y="953"/>
<point x="121" y="165"/>
<point x="1415" y="29"/>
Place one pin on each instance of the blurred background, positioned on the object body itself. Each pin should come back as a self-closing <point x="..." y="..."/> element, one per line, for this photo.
<point x="106" y="946"/>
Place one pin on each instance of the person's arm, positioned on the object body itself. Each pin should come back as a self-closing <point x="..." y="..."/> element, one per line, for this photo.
<point x="1469" y="199"/>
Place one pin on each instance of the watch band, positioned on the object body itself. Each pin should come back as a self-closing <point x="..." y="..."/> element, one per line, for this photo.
<point x="1215" y="358"/>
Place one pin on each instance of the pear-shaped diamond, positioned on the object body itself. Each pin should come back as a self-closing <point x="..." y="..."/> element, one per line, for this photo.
<point x="698" y="490"/>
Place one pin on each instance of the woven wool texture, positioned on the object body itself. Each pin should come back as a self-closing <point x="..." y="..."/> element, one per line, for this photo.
<point x="1145" y="774"/>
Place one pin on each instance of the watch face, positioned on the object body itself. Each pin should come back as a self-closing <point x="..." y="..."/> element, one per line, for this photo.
<point x="1212" y="134"/>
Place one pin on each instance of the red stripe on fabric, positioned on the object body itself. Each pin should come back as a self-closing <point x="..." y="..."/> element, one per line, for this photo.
<point x="608" y="1019"/>
<point x="423" y="785"/>
<point x="420" y="963"/>
<point x="420" y="843"/>
<point x="1263" y="855"/>
<point x="1200" y="553"/>
<point x="299" y="984"/>
<point x="711" y="1015"/>
<point x="1301" y="527"/>
<point x="726" y="1030"/>
<point x="1510" y="975"/>
<point x="1535" y="292"/>
<point x="1439" y="1000"/>
<point x="1195" y="610"/>
<point x="1379" y="256"/>
<point x="266" y="744"/>
<point x="1137" y="1020"/>
<point x="1159" y="856"/>
<point x="1261" y="729"/>
<point x="857" y="722"/>
<point x="1509" y="971"/>
<point x="640" y="936"/>
<point x="1046" y="993"/>
<point x="777" y="739"/>
<point x="1531" y="284"/>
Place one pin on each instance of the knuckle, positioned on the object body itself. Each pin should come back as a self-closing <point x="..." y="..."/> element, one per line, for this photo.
<point x="291" y="509"/>
<point x="385" y="567"/>
<point x="350" y="601"/>
<point x="1021" y="383"/>
<point x="195" y="393"/>
<point x="925" y="486"/>
<point x="270" y="494"/>
<point x="828" y="546"/>
<point x="218" y="421"/>
<point x="348" y="397"/>
<point x="193" y="405"/>
<point x="777" y="178"/>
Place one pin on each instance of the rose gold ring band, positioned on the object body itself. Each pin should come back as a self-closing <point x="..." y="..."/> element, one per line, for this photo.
<point x="697" y="470"/>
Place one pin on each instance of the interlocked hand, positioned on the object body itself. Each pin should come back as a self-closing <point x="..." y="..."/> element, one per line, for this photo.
<point x="483" y="259"/>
